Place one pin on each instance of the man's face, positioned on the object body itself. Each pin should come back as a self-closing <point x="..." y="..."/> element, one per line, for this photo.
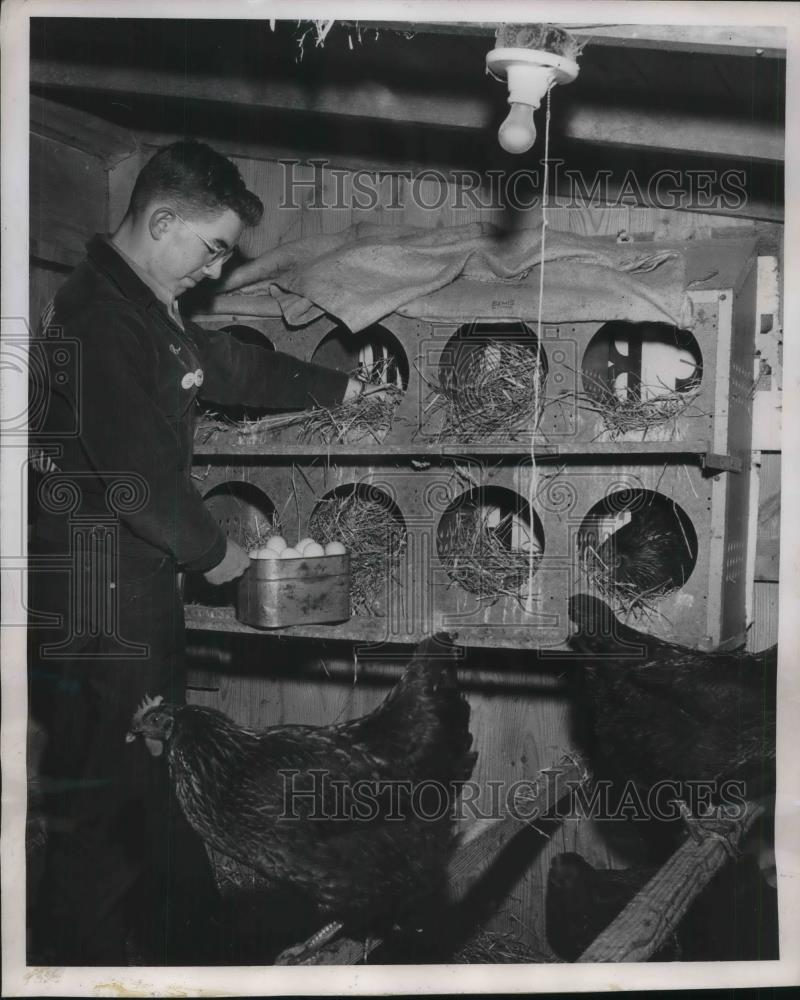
<point x="185" y="259"/>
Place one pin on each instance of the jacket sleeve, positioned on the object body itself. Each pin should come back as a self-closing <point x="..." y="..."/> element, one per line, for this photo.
<point x="244" y="374"/>
<point x="123" y="432"/>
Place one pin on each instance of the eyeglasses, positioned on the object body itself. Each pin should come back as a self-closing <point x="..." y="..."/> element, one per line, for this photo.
<point x="218" y="253"/>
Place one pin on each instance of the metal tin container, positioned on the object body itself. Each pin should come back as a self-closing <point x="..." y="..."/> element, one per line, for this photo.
<point x="274" y="593"/>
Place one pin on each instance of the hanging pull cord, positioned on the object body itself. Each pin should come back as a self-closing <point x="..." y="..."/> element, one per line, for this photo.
<point x="532" y="484"/>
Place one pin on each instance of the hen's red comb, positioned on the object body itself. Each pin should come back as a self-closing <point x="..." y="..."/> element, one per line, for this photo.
<point x="146" y="705"/>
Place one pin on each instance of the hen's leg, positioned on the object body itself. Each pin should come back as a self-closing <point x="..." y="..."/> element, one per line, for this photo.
<point x="715" y="824"/>
<point x="300" y="953"/>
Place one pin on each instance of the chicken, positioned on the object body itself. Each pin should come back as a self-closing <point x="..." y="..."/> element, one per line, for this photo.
<point x="582" y="901"/>
<point x="651" y="553"/>
<point x="356" y="816"/>
<point x="735" y="918"/>
<point x="670" y="712"/>
<point x="657" y="712"/>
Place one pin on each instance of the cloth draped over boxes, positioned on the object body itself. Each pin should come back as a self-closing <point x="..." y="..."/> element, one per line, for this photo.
<point x="368" y="271"/>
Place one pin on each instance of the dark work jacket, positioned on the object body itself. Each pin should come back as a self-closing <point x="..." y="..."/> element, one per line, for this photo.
<point x="116" y="418"/>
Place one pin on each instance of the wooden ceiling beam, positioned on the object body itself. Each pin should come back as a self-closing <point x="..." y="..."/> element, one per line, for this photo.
<point x="723" y="137"/>
<point x="761" y="41"/>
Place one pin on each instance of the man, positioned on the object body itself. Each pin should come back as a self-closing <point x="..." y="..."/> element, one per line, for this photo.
<point x="126" y="878"/>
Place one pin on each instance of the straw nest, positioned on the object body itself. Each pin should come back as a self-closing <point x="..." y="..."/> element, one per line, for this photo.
<point x="541" y="37"/>
<point x="493" y="948"/>
<point x="494" y="392"/>
<point x="259" y="530"/>
<point x="476" y="558"/>
<point x="375" y="537"/>
<point x="630" y="598"/>
<point x="650" y="407"/>
<point x="366" y="418"/>
<point x="641" y="562"/>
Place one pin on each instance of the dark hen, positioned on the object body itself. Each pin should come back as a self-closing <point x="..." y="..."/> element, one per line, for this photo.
<point x="356" y="816"/>
<point x="659" y="711"/>
<point x="655" y="551"/>
<point x="735" y="918"/>
<point x="582" y="901"/>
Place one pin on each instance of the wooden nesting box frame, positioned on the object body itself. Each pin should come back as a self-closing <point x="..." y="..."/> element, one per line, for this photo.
<point x="707" y="611"/>
<point x="702" y="467"/>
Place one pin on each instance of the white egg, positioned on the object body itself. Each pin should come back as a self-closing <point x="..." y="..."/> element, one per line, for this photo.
<point x="335" y="549"/>
<point x="301" y="545"/>
<point x="277" y="543"/>
<point x="290" y="554"/>
<point x="313" y="550"/>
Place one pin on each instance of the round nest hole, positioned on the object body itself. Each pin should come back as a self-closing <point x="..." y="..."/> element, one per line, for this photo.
<point x="374" y="353"/>
<point x="248" y="516"/>
<point x="491" y="382"/>
<point x="636" y="547"/>
<point x="370" y="525"/>
<point x="487" y="544"/>
<point x="638" y="376"/>
<point x="376" y="357"/>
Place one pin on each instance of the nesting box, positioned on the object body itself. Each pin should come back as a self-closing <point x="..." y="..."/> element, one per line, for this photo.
<point x="534" y="527"/>
<point x="533" y="491"/>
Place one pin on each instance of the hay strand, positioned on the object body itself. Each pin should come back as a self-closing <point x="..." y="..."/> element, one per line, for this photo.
<point x="493" y="948"/>
<point x="538" y="37"/>
<point x="495" y="392"/>
<point x="366" y="418"/>
<point x="375" y="538"/>
<point x="475" y="557"/>
<point x="649" y="407"/>
<point x="634" y="586"/>
<point x="259" y="531"/>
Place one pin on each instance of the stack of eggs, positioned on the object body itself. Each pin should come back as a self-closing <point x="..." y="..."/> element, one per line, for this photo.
<point x="306" y="548"/>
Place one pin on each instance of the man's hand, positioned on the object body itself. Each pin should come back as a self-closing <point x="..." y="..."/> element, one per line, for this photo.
<point x="234" y="563"/>
<point x="356" y="389"/>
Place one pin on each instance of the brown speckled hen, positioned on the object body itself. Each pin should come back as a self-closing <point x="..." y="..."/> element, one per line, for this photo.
<point x="331" y="811"/>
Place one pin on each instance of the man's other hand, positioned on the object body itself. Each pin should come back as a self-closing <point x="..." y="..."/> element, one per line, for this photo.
<point x="234" y="563"/>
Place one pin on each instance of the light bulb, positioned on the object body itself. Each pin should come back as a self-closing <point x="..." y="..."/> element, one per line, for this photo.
<point x="518" y="133"/>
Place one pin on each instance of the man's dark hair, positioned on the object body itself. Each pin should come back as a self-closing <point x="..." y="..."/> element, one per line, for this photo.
<point x="192" y="177"/>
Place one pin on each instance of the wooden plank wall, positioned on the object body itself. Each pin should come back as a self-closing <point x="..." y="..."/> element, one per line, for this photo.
<point x="764" y="631"/>
<point x="317" y="194"/>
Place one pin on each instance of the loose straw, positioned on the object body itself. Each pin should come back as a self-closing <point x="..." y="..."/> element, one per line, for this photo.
<point x="532" y="485"/>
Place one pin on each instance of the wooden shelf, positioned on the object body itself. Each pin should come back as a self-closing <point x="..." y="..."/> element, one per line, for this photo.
<point x="372" y="630"/>
<point x="223" y="445"/>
